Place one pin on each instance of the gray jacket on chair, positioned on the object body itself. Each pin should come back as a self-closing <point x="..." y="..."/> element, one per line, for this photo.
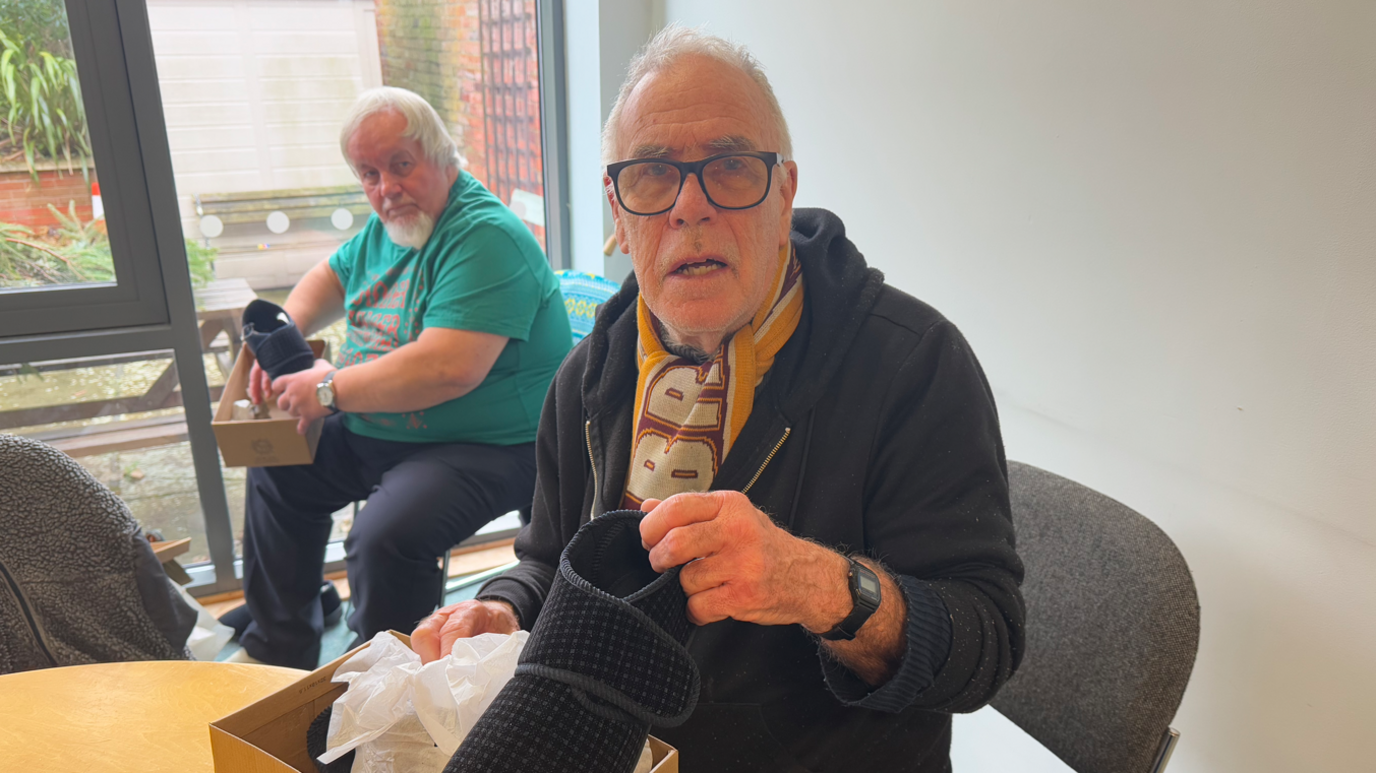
<point x="78" y="581"/>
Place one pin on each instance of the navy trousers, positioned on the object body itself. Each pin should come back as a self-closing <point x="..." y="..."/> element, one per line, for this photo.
<point x="422" y="499"/>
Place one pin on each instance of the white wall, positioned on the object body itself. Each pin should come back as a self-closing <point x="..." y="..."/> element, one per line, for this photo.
<point x="601" y="36"/>
<point x="254" y="92"/>
<point x="582" y="33"/>
<point x="1156" y="223"/>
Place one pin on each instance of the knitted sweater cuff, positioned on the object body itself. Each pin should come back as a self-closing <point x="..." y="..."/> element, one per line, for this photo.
<point x="929" y="643"/>
<point x="519" y="593"/>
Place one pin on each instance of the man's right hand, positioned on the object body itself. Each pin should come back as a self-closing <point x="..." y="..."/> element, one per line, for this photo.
<point x="436" y="634"/>
<point x="259" y="385"/>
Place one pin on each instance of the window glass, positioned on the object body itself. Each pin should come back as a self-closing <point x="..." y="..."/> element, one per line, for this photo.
<point x="120" y="417"/>
<point x="254" y="94"/>
<point x="52" y="231"/>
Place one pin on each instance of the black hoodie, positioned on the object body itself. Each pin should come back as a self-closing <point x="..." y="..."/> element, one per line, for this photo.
<point x="874" y="432"/>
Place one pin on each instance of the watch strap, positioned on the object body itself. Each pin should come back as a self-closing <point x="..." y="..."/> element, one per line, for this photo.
<point x="861" y="609"/>
<point x="328" y="383"/>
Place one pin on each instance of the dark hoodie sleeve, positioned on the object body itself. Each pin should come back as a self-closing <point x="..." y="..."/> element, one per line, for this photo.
<point x="174" y="618"/>
<point x="928" y="634"/>
<point x="538" y="545"/>
<point x="937" y="511"/>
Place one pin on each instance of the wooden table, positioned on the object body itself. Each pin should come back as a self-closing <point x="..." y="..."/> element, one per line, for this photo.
<point x="147" y="716"/>
<point x="219" y="307"/>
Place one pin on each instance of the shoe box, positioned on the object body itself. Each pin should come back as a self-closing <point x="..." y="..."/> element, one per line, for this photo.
<point x="269" y="736"/>
<point x="267" y="442"/>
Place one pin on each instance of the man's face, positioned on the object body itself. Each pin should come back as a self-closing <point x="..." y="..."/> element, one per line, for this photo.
<point x="703" y="271"/>
<point x="401" y="182"/>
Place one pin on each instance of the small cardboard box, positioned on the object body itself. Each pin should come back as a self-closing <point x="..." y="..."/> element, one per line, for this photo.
<point x="270" y="736"/>
<point x="261" y="442"/>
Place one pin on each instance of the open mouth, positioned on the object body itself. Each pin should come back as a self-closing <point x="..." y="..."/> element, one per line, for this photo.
<point x="698" y="268"/>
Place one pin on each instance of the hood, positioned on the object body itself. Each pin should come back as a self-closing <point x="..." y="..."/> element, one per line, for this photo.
<point x="840" y="291"/>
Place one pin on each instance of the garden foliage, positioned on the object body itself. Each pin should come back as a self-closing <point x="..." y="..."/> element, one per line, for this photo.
<point x="40" y="94"/>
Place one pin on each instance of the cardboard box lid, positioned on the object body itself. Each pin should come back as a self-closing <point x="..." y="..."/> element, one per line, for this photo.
<point x="270" y="736"/>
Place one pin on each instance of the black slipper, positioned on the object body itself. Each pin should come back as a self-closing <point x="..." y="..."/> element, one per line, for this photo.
<point x="238" y="618"/>
<point x="275" y="340"/>
<point x="604" y="663"/>
<point x="316" y="735"/>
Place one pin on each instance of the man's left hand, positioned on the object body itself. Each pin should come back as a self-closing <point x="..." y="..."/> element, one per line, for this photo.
<point x="746" y="567"/>
<point x="296" y="394"/>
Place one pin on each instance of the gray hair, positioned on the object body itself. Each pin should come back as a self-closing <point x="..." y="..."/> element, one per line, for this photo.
<point x="673" y="43"/>
<point x="423" y="124"/>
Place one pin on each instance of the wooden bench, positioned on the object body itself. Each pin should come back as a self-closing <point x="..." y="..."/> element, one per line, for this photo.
<point x="219" y="307"/>
<point x="166" y="552"/>
<point x="296" y="203"/>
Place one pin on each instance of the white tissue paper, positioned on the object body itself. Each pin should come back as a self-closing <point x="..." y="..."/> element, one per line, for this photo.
<point x="646" y="761"/>
<point x="210" y="635"/>
<point x="401" y="716"/>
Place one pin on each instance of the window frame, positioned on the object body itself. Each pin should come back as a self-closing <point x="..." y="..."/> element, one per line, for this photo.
<point x="137" y="296"/>
<point x="554" y="130"/>
<point x="151" y="305"/>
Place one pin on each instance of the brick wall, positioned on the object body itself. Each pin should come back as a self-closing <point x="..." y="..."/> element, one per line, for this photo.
<point x="434" y="48"/>
<point x="431" y="47"/>
<point x="511" y="77"/>
<point x="24" y="202"/>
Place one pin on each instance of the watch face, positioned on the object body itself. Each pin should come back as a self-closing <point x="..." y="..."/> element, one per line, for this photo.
<point x="869" y="586"/>
<point x="325" y="395"/>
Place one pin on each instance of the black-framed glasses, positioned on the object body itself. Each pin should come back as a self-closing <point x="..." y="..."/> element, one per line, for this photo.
<point x="650" y="186"/>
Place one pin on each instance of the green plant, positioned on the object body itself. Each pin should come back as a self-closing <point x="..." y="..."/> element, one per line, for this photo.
<point x="201" y="261"/>
<point x="44" y="21"/>
<point x="26" y="370"/>
<point x="10" y="250"/>
<point x="85" y="247"/>
<point x="25" y="261"/>
<point x="44" y="114"/>
<point x="79" y="251"/>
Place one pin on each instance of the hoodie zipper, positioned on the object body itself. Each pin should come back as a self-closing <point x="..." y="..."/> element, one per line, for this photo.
<point x="596" y="489"/>
<point x="28" y="614"/>
<point x="767" y="460"/>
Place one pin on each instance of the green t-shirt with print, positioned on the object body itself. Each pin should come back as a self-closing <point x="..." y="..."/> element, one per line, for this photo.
<point x="481" y="270"/>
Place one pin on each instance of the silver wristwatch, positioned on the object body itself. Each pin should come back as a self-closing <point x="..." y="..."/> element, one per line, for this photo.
<point x="324" y="392"/>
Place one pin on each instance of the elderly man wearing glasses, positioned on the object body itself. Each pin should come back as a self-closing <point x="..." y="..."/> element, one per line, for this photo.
<point x="822" y="448"/>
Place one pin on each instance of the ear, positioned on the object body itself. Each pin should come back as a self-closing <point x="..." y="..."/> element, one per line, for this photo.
<point x="616" y="214"/>
<point x="788" y="188"/>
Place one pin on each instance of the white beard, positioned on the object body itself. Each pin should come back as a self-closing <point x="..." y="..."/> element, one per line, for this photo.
<point x="413" y="232"/>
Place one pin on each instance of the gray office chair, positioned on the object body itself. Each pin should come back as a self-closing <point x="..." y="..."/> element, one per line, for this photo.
<point x="1112" y="628"/>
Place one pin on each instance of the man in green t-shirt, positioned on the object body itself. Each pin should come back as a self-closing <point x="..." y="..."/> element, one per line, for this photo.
<point x="455" y="328"/>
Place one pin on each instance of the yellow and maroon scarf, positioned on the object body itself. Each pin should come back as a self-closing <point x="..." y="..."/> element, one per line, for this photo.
<point x="686" y="415"/>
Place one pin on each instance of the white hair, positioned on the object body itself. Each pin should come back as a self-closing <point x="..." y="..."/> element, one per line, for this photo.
<point x="423" y="124"/>
<point x="673" y="43"/>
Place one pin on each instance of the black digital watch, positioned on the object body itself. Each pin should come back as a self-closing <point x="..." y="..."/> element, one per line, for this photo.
<point x="865" y="596"/>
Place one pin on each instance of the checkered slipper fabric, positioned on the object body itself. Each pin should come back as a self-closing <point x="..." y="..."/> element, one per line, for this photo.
<point x="604" y="663"/>
<point x="275" y="340"/>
